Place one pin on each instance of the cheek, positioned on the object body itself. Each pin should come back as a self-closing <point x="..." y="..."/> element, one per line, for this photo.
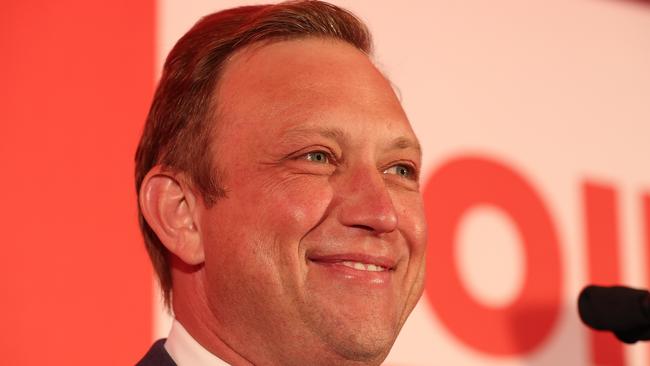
<point x="262" y="224"/>
<point x="413" y="227"/>
<point x="413" y="223"/>
<point x="256" y="233"/>
<point x="297" y="204"/>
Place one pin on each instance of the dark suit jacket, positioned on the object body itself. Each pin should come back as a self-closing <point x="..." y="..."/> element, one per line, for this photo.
<point x="157" y="356"/>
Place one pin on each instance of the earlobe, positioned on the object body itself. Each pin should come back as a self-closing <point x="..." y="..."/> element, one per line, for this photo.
<point x="169" y="207"/>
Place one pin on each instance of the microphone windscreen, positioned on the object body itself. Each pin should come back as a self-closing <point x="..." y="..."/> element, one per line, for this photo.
<point x="617" y="308"/>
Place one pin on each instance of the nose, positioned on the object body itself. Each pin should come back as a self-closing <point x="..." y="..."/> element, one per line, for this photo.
<point x="365" y="202"/>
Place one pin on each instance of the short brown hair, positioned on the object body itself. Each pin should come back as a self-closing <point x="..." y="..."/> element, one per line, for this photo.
<point x="179" y="127"/>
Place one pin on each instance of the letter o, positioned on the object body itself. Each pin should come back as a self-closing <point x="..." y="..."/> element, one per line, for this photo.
<point x="520" y="326"/>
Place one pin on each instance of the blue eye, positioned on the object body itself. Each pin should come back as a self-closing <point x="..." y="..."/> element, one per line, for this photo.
<point x="317" y="156"/>
<point x="401" y="170"/>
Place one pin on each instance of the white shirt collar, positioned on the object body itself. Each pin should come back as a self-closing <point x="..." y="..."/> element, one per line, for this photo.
<point x="186" y="351"/>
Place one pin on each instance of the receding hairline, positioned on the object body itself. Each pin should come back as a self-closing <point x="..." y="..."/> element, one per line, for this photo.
<point x="247" y="52"/>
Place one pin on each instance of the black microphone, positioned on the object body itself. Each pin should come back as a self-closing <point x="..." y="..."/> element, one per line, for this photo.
<point x="622" y="310"/>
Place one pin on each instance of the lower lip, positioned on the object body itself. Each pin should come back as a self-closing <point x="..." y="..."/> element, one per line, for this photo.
<point x="378" y="279"/>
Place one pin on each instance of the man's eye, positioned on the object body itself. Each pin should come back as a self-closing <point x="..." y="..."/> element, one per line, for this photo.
<point x="317" y="156"/>
<point x="401" y="170"/>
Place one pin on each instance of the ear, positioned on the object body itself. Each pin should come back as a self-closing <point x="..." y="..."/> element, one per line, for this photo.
<point x="170" y="208"/>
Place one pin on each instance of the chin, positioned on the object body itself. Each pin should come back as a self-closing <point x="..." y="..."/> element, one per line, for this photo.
<point x="362" y="345"/>
<point x="353" y="330"/>
<point x="369" y="351"/>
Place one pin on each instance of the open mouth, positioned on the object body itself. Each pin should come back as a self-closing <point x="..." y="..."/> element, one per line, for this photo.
<point x="357" y="262"/>
<point x="364" y="266"/>
<point x="367" y="273"/>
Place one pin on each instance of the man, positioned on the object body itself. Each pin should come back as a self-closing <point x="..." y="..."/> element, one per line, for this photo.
<point x="278" y="193"/>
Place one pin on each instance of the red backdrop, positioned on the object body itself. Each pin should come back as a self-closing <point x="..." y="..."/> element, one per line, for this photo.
<point x="75" y="282"/>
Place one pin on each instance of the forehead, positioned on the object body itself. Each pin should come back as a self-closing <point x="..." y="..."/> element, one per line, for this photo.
<point x="288" y="83"/>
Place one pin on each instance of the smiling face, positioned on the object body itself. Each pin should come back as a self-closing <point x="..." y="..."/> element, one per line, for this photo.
<point x="316" y="255"/>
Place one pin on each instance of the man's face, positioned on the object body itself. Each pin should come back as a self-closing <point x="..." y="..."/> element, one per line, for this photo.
<point x="316" y="255"/>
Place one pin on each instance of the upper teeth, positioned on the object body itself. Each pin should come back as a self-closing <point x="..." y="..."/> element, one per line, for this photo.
<point x="363" y="266"/>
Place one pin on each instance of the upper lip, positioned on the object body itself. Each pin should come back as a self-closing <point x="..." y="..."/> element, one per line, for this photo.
<point x="383" y="261"/>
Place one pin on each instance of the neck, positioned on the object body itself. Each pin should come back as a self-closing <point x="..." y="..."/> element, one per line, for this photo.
<point x="192" y="311"/>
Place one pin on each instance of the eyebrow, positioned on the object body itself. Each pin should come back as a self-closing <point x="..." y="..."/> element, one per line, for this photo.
<point x="402" y="143"/>
<point x="333" y="133"/>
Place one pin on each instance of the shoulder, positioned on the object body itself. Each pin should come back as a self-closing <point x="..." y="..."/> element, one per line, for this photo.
<point x="157" y="356"/>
